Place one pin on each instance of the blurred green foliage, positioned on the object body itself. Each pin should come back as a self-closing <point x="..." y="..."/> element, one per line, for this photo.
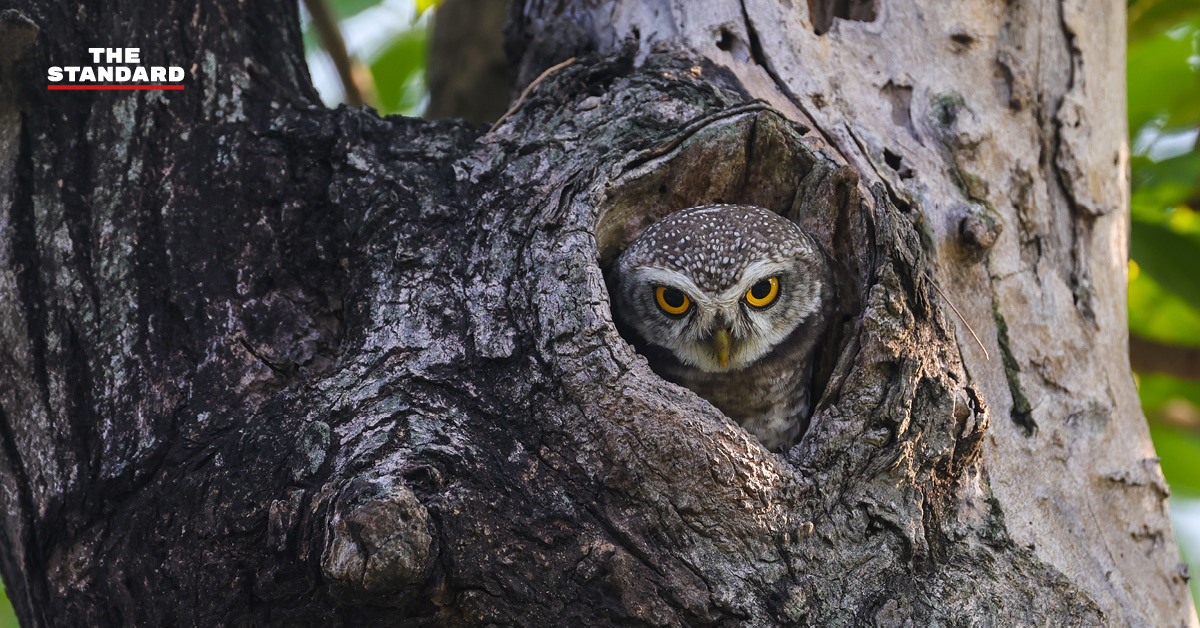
<point x="390" y="38"/>
<point x="1159" y="315"/>
<point x="1164" y="287"/>
<point x="8" y="619"/>
<point x="1163" y="77"/>
<point x="399" y="73"/>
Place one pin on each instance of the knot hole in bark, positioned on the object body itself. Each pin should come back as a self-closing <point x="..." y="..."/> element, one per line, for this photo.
<point x="748" y="155"/>
<point x="379" y="542"/>
<point x="823" y="12"/>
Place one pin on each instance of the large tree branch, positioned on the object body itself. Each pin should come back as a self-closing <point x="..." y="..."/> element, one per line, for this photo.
<point x="468" y="74"/>
<point x="1149" y="356"/>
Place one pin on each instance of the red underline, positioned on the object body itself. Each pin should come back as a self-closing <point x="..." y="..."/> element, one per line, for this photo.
<point x="115" y="87"/>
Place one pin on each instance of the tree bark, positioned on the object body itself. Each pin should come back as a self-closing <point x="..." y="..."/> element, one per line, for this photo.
<point x="265" y="362"/>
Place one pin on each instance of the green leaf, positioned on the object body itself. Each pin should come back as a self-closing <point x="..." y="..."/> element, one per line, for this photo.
<point x="1162" y="84"/>
<point x="399" y="73"/>
<point x="8" y="618"/>
<point x="1172" y="258"/>
<point x="342" y="9"/>
<point x="1180" y="453"/>
<point x="425" y="5"/>
<point x="1148" y="18"/>
<point x="1165" y="184"/>
<point x="1159" y="315"/>
<point x="1156" y="390"/>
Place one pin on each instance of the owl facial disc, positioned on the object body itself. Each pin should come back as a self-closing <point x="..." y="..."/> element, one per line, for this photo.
<point x="719" y="286"/>
<point x="729" y="301"/>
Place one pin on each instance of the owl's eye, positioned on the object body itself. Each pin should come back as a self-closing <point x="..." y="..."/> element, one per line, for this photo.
<point x="763" y="293"/>
<point x="672" y="301"/>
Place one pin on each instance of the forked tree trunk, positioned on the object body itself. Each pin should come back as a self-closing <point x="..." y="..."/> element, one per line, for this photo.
<point x="267" y="362"/>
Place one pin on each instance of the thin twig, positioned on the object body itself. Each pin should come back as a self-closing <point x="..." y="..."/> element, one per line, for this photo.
<point x="961" y="318"/>
<point x="529" y="89"/>
<point x="331" y="40"/>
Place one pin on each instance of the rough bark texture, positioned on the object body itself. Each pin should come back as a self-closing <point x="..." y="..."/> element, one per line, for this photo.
<point x="268" y="362"/>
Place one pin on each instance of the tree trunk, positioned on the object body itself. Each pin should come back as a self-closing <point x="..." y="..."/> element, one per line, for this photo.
<point x="467" y="69"/>
<point x="265" y="362"/>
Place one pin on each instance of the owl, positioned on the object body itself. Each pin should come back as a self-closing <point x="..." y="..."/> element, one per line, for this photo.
<point x="730" y="301"/>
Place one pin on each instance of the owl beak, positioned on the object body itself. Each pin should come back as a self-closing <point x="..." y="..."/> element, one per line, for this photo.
<point x="721" y="344"/>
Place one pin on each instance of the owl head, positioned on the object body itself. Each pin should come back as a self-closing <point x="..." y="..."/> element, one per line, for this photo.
<point x="719" y="286"/>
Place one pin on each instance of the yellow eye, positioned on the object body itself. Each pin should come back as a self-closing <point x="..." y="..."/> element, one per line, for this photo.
<point x="763" y="293"/>
<point x="672" y="301"/>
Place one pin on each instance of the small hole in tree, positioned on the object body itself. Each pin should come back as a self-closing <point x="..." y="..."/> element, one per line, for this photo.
<point x="823" y="12"/>
<point x="965" y="40"/>
<point x="896" y="163"/>
<point x="726" y="41"/>
<point x="893" y="160"/>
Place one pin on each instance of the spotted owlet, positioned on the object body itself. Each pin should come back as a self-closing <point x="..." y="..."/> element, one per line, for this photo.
<point x="729" y="301"/>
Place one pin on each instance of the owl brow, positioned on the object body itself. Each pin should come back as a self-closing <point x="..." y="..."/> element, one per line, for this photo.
<point x="753" y="274"/>
<point x="658" y="275"/>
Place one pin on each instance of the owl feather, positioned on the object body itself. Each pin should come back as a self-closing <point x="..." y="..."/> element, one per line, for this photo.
<point x="731" y="302"/>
